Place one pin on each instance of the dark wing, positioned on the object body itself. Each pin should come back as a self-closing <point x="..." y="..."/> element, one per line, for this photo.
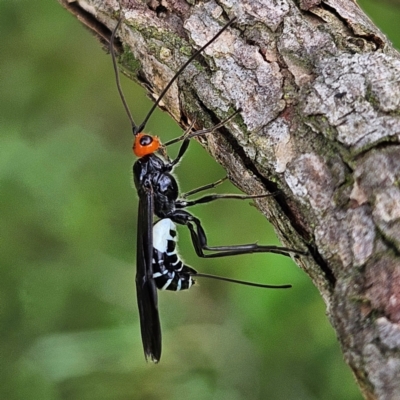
<point x="146" y="290"/>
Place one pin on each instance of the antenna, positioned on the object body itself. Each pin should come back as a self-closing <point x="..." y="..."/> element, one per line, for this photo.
<point x="135" y="128"/>
<point x="116" y="73"/>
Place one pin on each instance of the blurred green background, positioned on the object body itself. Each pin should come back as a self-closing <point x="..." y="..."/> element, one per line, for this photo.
<point x="69" y="323"/>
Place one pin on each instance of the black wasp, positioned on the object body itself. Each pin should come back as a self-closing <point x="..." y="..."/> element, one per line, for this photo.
<point x="158" y="264"/>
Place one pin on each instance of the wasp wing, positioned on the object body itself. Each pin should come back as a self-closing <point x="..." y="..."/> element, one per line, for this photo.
<point x="146" y="290"/>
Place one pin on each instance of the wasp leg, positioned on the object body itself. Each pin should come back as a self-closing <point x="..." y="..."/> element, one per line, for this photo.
<point x="199" y="240"/>
<point x="207" y="199"/>
<point x="205" y="187"/>
<point x="202" y="132"/>
<point x="182" y="151"/>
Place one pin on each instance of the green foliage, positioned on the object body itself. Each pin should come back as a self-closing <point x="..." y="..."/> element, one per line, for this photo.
<point x="69" y="325"/>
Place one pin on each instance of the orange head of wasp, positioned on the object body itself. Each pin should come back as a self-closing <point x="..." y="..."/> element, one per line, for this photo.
<point x="145" y="144"/>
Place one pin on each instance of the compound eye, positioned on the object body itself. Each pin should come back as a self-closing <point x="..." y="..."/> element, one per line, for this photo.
<point x="146" y="140"/>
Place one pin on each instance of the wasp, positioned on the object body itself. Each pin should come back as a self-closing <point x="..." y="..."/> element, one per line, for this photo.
<point x="158" y="265"/>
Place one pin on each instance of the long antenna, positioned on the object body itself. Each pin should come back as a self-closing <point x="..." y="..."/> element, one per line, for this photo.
<point x="222" y="278"/>
<point x="137" y="129"/>
<point x="114" y="61"/>
<point x="143" y="124"/>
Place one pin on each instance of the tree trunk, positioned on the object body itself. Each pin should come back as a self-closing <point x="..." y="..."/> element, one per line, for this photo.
<point x="318" y="85"/>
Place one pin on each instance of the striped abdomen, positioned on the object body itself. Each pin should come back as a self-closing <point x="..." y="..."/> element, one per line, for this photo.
<point x="169" y="272"/>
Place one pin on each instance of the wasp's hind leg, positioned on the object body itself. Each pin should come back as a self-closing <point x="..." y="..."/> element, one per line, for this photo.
<point x="199" y="240"/>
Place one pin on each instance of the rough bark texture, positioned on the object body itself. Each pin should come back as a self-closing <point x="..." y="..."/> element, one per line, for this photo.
<point x="318" y="85"/>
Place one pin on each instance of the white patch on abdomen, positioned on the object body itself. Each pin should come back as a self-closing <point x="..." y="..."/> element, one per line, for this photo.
<point x="161" y="234"/>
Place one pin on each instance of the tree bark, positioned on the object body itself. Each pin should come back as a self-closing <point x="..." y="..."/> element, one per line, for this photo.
<point x="318" y="85"/>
